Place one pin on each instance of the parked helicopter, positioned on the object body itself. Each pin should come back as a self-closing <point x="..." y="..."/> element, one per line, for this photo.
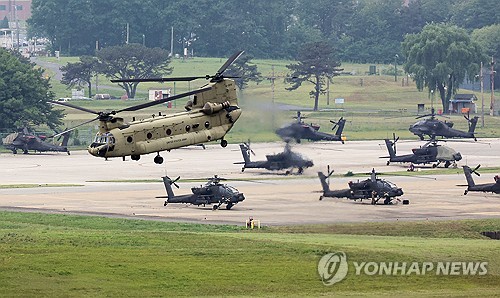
<point x="486" y="187"/>
<point x="213" y="192"/>
<point x="437" y="128"/>
<point x="209" y="116"/>
<point x="284" y="160"/>
<point x="299" y="130"/>
<point x="25" y="141"/>
<point x="372" y="189"/>
<point x="431" y="152"/>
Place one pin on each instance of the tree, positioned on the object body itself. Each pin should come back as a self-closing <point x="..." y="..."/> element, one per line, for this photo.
<point x="79" y="73"/>
<point x="489" y="39"/>
<point x="246" y="72"/>
<point x="316" y="64"/>
<point x="24" y="94"/>
<point x="440" y="57"/>
<point x="133" y="61"/>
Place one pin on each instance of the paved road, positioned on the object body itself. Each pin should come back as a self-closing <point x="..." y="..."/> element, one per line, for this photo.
<point x="281" y="200"/>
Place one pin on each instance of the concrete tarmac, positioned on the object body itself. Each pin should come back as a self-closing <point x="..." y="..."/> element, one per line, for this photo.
<point x="276" y="200"/>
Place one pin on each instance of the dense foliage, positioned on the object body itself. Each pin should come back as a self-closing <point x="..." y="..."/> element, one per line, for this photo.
<point x="24" y="93"/>
<point x="363" y="30"/>
<point x="440" y="57"/>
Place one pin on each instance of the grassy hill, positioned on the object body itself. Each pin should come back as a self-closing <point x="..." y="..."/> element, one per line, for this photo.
<point x="375" y="106"/>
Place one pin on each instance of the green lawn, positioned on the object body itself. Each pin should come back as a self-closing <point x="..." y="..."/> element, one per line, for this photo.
<point x="57" y="255"/>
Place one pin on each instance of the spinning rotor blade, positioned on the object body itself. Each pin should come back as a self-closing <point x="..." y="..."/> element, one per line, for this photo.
<point x="73" y="106"/>
<point x="157" y="102"/>
<point x="248" y="147"/>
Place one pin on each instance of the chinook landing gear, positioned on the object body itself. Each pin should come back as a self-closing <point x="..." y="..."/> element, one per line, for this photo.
<point x="158" y="159"/>
<point x="223" y="143"/>
<point x="135" y="157"/>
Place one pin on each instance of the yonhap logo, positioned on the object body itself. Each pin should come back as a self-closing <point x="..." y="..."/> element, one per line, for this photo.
<point x="332" y="268"/>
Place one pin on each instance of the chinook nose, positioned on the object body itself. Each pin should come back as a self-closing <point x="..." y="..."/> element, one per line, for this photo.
<point x="234" y="113"/>
<point x="99" y="151"/>
<point x="457" y="156"/>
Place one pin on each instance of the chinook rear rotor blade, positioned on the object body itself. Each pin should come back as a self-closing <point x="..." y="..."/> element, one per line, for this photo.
<point x="73" y="106"/>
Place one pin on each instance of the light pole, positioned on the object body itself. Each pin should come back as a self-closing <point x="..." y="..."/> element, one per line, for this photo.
<point x="396" y="67"/>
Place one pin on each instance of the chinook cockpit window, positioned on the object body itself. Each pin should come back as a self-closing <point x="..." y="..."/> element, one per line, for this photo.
<point x="106" y="138"/>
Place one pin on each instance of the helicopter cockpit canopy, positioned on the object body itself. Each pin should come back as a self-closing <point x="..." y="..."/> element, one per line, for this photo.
<point x="104" y="139"/>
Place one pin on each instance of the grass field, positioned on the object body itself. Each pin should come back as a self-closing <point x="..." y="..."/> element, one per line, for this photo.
<point x="60" y="256"/>
<point x="375" y="106"/>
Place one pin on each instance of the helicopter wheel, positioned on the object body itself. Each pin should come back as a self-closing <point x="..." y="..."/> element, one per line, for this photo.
<point x="135" y="157"/>
<point x="158" y="159"/>
<point x="223" y="143"/>
<point x="68" y="152"/>
<point x="165" y="204"/>
<point x="14" y="151"/>
<point x="465" y="192"/>
<point x="25" y="151"/>
<point x="387" y="201"/>
<point x="320" y="198"/>
<point x="447" y="164"/>
<point x="434" y="165"/>
<point x="215" y="207"/>
<point x="301" y="170"/>
<point x="242" y="170"/>
<point x="388" y="162"/>
<point x="229" y="206"/>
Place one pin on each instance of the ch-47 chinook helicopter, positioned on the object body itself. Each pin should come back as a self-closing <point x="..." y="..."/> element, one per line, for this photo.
<point x="299" y="130"/>
<point x="275" y="162"/>
<point x="208" y="117"/>
<point x="485" y="187"/>
<point x="433" y="127"/>
<point x="213" y="192"/>
<point x="431" y="152"/>
<point x="372" y="189"/>
<point x="25" y="141"/>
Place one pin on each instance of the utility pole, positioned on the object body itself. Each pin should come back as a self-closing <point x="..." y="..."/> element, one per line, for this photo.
<point x="126" y="41"/>
<point x="482" y="95"/>
<point x="172" y="42"/>
<point x="492" y="81"/>
<point x="396" y="68"/>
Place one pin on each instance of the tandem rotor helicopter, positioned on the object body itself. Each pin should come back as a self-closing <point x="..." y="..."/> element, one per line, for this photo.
<point x="208" y="117"/>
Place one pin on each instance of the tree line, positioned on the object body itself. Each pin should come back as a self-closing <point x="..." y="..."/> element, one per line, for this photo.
<point x="359" y="30"/>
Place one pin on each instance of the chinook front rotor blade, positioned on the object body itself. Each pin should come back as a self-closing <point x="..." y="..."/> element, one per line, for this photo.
<point x="73" y="106"/>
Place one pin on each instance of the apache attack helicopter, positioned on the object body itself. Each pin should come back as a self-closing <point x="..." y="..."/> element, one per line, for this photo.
<point x="209" y="116"/>
<point x="284" y="160"/>
<point x="213" y="192"/>
<point x="431" y="152"/>
<point x="25" y="141"/>
<point x="299" y="130"/>
<point x="437" y="128"/>
<point x="486" y="187"/>
<point x="372" y="189"/>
